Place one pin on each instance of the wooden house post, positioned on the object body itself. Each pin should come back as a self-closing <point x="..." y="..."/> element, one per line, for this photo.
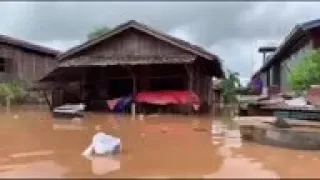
<point x="45" y="95"/>
<point x="134" y="89"/>
<point x="189" y="70"/>
<point x="82" y="85"/>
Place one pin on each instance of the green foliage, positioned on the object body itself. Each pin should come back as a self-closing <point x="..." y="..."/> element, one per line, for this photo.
<point x="230" y="86"/>
<point x="306" y="73"/>
<point x="98" y="32"/>
<point x="15" y="90"/>
<point x="243" y="91"/>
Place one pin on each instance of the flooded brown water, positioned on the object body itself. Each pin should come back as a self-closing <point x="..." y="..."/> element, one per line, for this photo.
<point x="35" y="145"/>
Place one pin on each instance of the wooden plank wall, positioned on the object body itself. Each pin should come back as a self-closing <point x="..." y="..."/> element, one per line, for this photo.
<point x="202" y="86"/>
<point x="132" y="42"/>
<point x="26" y="65"/>
<point x="201" y="83"/>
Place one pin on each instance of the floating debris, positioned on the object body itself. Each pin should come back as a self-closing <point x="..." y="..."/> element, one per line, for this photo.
<point x="76" y="119"/>
<point x="33" y="153"/>
<point x="300" y="156"/>
<point x="233" y="134"/>
<point x="103" y="144"/>
<point x="164" y="129"/>
<point x="143" y="135"/>
<point x="97" y="127"/>
<point x="154" y="115"/>
<point x="200" y="129"/>
<point x="115" y="127"/>
<point x="216" y="142"/>
<point x="239" y="156"/>
<point x="141" y="117"/>
<point x="71" y="127"/>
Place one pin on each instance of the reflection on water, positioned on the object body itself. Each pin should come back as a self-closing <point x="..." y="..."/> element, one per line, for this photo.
<point x="39" y="169"/>
<point x="156" y="146"/>
<point x="102" y="165"/>
<point x="34" y="153"/>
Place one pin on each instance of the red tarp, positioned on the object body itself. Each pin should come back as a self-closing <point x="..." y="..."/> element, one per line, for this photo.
<point x="168" y="97"/>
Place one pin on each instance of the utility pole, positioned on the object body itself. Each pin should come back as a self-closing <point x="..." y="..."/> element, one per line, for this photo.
<point x="265" y="50"/>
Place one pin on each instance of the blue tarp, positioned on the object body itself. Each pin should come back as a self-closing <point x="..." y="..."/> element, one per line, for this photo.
<point x="123" y="103"/>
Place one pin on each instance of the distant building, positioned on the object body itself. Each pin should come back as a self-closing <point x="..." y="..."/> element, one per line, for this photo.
<point x="21" y="60"/>
<point x="275" y="70"/>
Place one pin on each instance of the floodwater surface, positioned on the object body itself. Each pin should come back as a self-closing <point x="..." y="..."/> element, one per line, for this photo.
<point x="165" y="146"/>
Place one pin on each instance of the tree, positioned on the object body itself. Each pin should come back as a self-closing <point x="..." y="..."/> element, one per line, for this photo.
<point x="306" y="73"/>
<point x="98" y="32"/>
<point x="230" y="86"/>
<point x="13" y="91"/>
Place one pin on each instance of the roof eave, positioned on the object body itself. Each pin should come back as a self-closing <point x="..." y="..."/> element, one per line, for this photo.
<point x="141" y="27"/>
<point x="294" y="35"/>
<point x="28" y="45"/>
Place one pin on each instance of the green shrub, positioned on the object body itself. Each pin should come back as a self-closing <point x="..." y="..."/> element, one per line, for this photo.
<point x="306" y="73"/>
<point x="230" y="87"/>
<point x="15" y="90"/>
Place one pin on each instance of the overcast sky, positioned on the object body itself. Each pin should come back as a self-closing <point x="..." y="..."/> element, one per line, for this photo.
<point x="232" y="30"/>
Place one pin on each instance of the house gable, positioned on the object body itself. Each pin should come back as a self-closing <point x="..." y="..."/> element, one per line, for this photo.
<point x="132" y="42"/>
<point x="142" y="29"/>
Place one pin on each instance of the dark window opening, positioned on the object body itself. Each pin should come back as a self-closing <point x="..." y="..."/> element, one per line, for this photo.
<point x="72" y="94"/>
<point x="167" y="84"/>
<point x="268" y="78"/>
<point x="276" y="75"/>
<point x="71" y="98"/>
<point x="2" y="65"/>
